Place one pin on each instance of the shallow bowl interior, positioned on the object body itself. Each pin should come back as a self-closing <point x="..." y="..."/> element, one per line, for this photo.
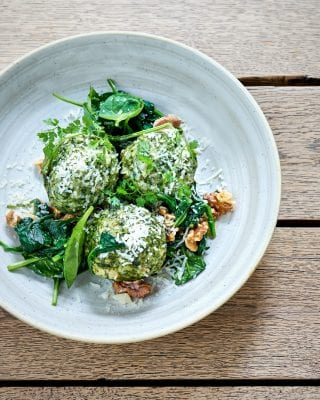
<point x="234" y="135"/>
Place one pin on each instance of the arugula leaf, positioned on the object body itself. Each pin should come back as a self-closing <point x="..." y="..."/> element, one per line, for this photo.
<point x="120" y="107"/>
<point x="107" y="243"/>
<point x="74" y="250"/>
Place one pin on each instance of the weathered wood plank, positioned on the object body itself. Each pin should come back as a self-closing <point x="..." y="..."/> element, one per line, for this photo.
<point x="250" y="37"/>
<point x="270" y="329"/>
<point x="172" y="393"/>
<point x="294" y="116"/>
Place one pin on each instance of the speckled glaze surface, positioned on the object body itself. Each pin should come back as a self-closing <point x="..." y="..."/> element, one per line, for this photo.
<point x="217" y="109"/>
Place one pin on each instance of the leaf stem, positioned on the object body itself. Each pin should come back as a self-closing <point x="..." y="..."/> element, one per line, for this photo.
<point x="211" y="222"/>
<point x="8" y="248"/>
<point x="21" y="264"/>
<point x="56" y="286"/>
<point x="140" y="133"/>
<point x="158" y="112"/>
<point x="75" y="103"/>
<point x="113" y="86"/>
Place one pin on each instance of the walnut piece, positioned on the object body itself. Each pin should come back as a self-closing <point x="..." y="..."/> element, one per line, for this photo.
<point x="173" y="119"/>
<point x="12" y="218"/>
<point x="57" y="213"/>
<point x="220" y="202"/>
<point x="39" y="164"/>
<point x="135" y="289"/>
<point x="169" y="220"/>
<point x="195" y="235"/>
<point x="67" y="216"/>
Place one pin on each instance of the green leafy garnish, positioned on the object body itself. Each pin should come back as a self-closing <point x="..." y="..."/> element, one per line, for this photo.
<point x="137" y="134"/>
<point x="74" y="250"/>
<point x="56" y="287"/>
<point x="146" y="118"/>
<point x="120" y="107"/>
<point x="10" y="249"/>
<point x="195" y="264"/>
<point x="107" y="243"/>
<point x="52" y="136"/>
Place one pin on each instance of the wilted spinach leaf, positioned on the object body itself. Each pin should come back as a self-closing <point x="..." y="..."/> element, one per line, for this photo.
<point x="107" y="243"/>
<point x="146" y="118"/>
<point x="195" y="264"/>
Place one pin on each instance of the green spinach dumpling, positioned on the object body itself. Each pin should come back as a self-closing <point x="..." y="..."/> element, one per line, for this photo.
<point x="159" y="161"/>
<point x="81" y="169"/>
<point x="144" y="243"/>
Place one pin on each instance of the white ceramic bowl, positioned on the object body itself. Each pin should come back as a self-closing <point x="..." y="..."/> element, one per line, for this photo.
<point x="215" y="107"/>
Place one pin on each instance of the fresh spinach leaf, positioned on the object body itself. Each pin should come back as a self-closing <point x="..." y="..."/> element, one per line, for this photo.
<point x="107" y="243"/>
<point x="120" y="107"/>
<point x="74" y="250"/>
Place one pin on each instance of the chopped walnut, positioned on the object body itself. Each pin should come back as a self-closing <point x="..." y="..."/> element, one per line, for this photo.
<point x="171" y="234"/>
<point x="169" y="220"/>
<point x="220" y="202"/>
<point x="173" y="119"/>
<point x="12" y="218"/>
<point x="67" y="216"/>
<point x="135" y="289"/>
<point x="39" y="164"/>
<point x="57" y="213"/>
<point x="163" y="210"/>
<point x="195" y="235"/>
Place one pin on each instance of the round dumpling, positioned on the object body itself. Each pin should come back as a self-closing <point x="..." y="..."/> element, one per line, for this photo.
<point x="143" y="240"/>
<point x="159" y="161"/>
<point x="81" y="170"/>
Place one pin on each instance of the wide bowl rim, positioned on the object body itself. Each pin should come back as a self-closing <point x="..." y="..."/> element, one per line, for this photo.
<point x="277" y="196"/>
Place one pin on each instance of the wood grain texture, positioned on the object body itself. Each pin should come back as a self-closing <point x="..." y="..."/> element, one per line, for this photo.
<point x="294" y="117"/>
<point x="248" y="37"/>
<point x="269" y="329"/>
<point x="172" y="393"/>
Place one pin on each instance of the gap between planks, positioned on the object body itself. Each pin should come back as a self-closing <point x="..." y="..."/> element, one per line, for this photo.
<point x="280" y="80"/>
<point x="172" y="393"/>
<point x="163" y="383"/>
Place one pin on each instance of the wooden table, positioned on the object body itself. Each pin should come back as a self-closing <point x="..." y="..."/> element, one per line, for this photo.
<point x="270" y="328"/>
